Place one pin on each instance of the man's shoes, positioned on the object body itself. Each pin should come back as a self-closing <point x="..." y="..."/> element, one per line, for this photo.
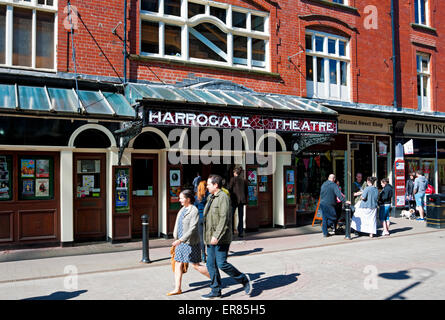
<point x="248" y="285"/>
<point x="326" y="235"/>
<point x="211" y="295"/>
<point x="420" y="219"/>
<point x="240" y="235"/>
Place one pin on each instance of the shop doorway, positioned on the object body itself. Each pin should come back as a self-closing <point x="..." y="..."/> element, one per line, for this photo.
<point x="89" y="197"/>
<point x="259" y="211"/>
<point x="362" y="156"/>
<point x="145" y="192"/>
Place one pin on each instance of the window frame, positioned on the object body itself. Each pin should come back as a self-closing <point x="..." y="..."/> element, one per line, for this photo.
<point x="327" y="57"/>
<point x="186" y="24"/>
<point x="418" y="18"/>
<point x="423" y="74"/>
<point x="9" y="32"/>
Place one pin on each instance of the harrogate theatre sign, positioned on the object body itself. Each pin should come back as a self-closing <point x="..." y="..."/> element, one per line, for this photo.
<point x="230" y="121"/>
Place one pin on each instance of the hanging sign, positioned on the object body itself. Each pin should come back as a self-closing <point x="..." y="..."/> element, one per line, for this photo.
<point x="230" y="121"/>
<point x="400" y="182"/>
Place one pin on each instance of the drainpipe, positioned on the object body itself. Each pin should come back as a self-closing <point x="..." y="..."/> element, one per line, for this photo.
<point x="394" y="55"/>
<point x="125" y="42"/>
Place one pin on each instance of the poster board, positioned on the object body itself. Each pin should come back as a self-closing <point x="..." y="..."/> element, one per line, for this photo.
<point x="122" y="210"/>
<point x="318" y="213"/>
<point x="399" y="167"/>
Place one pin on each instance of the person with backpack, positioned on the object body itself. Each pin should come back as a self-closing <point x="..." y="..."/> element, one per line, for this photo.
<point x="420" y="186"/>
<point x="385" y="200"/>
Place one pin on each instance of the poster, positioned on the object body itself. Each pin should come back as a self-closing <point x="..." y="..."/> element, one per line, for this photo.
<point x="252" y="176"/>
<point x="290" y="177"/>
<point x="122" y="199"/>
<point x="88" y="182"/>
<point x="42" y="168"/>
<point x="28" y="168"/>
<point x="28" y="187"/>
<point x="122" y="179"/>
<point x="4" y="179"/>
<point x="252" y="195"/>
<point x="175" y="178"/>
<point x="42" y="187"/>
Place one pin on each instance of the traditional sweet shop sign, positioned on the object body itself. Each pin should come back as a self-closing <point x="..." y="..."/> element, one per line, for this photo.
<point x="421" y="128"/>
<point x="364" y="124"/>
<point x="230" y="121"/>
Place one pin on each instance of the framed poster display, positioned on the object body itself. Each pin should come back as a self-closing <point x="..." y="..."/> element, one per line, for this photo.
<point x="36" y="178"/>
<point x="174" y="188"/>
<point x="290" y="187"/>
<point x="122" y="210"/>
<point x="252" y="187"/>
<point x="5" y="178"/>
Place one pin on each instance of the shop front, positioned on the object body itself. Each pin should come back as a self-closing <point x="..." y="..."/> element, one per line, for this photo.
<point x="207" y="132"/>
<point x="424" y="149"/>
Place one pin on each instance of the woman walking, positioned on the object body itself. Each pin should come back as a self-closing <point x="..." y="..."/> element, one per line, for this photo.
<point x="200" y="203"/>
<point x="385" y="200"/>
<point x="365" y="217"/>
<point x="187" y="248"/>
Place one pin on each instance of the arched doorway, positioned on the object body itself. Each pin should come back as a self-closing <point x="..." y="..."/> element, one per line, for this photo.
<point x="89" y="179"/>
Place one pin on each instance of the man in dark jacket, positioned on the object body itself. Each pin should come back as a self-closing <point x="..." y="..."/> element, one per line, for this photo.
<point x="217" y="237"/>
<point x="238" y="195"/>
<point x="328" y="199"/>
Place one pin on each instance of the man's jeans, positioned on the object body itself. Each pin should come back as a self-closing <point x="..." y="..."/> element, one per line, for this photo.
<point x="329" y="217"/>
<point x="240" y="217"/>
<point x="217" y="259"/>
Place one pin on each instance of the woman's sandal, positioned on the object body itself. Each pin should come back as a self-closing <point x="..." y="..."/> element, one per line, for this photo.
<point x="174" y="293"/>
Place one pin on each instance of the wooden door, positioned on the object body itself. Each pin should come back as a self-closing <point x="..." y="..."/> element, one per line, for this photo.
<point x="265" y="201"/>
<point x="252" y="209"/>
<point x="89" y="196"/>
<point x="145" y="192"/>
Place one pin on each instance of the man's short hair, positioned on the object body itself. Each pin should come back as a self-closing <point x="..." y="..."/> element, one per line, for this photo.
<point x="216" y="179"/>
<point x="238" y="170"/>
<point x="419" y="172"/>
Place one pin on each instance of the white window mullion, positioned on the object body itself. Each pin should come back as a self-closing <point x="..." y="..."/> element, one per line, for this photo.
<point x="315" y="75"/>
<point x="9" y="35"/>
<point x="34" y="38"/>
<point x="161" y="38"/>
<point x="230" y="49"/>
<point x="185" y="42"/>
<point x="161" y="7"/>
<point x="421" y="92"/>
<point x="249" y="52"/>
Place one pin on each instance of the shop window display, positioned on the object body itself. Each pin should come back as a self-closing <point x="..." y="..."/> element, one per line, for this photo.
<point x="88" y="179"/>
<point x="313" y="168"/>
<point x="5" y="178"/>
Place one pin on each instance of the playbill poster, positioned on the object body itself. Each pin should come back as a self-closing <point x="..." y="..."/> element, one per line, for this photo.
<point x="42" y="168"/>
<point x="28" y="187"/>
<point x="42" y="187"/>
<point x="28" y="168"/>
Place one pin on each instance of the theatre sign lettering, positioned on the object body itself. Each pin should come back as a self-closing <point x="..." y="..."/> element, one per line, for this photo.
<point x="229" y="121"/>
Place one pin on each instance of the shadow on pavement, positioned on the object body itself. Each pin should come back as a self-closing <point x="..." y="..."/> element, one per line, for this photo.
<point x="244" y="253"/>
<point x="400" y="229"/>
<point x="59" y="295"/>
<point x="418" y="274"/>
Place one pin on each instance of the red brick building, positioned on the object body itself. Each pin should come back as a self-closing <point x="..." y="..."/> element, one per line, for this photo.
<point x="319" y="60"/>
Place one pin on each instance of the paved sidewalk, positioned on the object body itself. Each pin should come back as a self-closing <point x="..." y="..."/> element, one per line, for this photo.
<point x="105" y="257"/>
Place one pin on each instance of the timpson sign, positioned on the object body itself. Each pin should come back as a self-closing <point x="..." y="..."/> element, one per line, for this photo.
<point x="413" y="127"/>
<point x="230" y="121"/>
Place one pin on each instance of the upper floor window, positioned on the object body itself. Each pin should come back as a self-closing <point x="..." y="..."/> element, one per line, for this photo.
<point x="340" y="1"/>
<point x="327" y="66"/>
<point x="421" y="11"/>
<point x="423" y="81"/>
<point x="27" y="33"/>
<point x="206" y="32"/>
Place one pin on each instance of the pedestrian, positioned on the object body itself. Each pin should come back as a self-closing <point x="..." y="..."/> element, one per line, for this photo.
<point x="196" y="182"/>
<point x="385" y="201"/>
<point x="420" y="186"/>
<point x="200" y="202"/>
<point x="217" y="237"/>
<point x="185" y="233"/>
<point x="238" y="193"/>
<point x="357" y="188"/>
<point x="328" y="200"/>
<point x="409" y="191"/>
<point x="365" y="217"/>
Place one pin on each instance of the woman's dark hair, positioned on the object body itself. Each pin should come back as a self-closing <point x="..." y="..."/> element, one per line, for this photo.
<point x="372" y="180"/>
<point x="188" y="194"/>
<point x="385" y="180"/>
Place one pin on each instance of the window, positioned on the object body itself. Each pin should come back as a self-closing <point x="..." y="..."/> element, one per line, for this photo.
<point x="205" y="32"/>
<point x="421" y="11"/>
<point x="327" y="66"/>
<point x="36" y="178"/>
<point x="340" y="1"/>
<point x="423" y="82"/>
<point x="27" y="34"/>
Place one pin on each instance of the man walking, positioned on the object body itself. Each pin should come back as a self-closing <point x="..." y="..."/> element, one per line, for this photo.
<point x="217" y="237"/>
<point x="238" y="194"/>
<point x="328" y="199"/>
<point x="420" y="185"/>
